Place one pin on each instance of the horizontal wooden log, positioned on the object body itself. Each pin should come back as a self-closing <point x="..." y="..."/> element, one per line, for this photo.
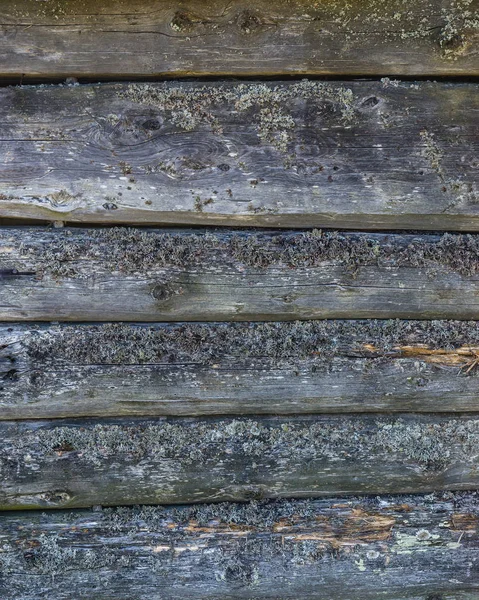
<point x="389" y="547"/>
<point x="128" y="38"/>
<point x="370" y="155"/>
<point x="266" y="368"/>
<point x="84" y="462"/>
<point x="133" y="275"/>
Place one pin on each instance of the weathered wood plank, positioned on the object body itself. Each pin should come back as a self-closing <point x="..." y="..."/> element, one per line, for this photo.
<point x="125" y="38"/>
<point x="371" y="155"/>
<point x="389" y="547"/>
<point x="84" y="462"/>
<point x="133" y="275"/>
<point x="267" y="368"/>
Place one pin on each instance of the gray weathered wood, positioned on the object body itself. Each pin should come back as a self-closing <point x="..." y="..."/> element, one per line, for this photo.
<point x="133" y="275"/>
<point x="266" y="368"/>
<point x="84" y="462"/>
<point x="371" y="155"/>
<point x="127" y="38"/>
<point x="389" y="548"/>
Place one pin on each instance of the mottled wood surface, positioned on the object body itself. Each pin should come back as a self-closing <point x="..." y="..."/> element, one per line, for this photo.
<point x="370" y="155"/>
<point x="129" y="38"/>
<point x="132" y="275"/>
<point x="205" y="369"/>
<point x="389" y="547"/>
<point x="84" y="462"/>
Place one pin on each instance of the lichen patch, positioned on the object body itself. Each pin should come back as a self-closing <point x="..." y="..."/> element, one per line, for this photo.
<point x="69" y="253"/>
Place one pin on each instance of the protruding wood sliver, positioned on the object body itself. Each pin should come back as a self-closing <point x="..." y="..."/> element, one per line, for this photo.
<point x="387" y="547"/>
<point x="189" y="369"/>
<point x="127" y="38"/>
<point x="361" y="154"/>
<point x="85" y="462"/>
<point x="119" y="274"/>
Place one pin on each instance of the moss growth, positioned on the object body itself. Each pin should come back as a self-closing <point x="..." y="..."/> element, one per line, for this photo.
<point x="308" y="249"/>
<point x="238" y="569"/>
<point x="48" y="554"/>
<point x="431" y="151"/>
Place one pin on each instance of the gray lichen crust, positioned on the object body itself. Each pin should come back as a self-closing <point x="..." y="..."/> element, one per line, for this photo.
<point x="68" y="252"/>
<point x="430" y="445"/>
<point x="189" y="108"/>
<point x="239" y="550"/>
<point x="119" y="343"/>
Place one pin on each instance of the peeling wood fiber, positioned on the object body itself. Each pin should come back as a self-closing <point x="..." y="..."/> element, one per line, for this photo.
<point x="245" y="368"/>
<point x="395" y="547"/>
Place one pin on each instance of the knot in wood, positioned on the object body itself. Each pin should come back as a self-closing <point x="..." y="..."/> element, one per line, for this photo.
<point x="164" y="291"/>
<point x="248" y="22"/>
<point x="181" y="21"/>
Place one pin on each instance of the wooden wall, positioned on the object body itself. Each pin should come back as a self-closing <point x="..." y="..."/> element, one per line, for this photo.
<point x="135" y="38"/>
<point x="239" y="293"/>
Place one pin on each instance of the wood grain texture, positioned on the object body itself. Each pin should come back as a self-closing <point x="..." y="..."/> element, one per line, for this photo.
<point x="389" y="547"/>
<point x="128" y="38"/>
<point x="370" y="155"/>
<point x="85" y="462"/>
<point x="120" y="274"/>
<point x="265" y="368"/>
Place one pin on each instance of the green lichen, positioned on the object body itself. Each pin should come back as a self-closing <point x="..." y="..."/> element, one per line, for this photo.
<point x="448" y="26"/>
